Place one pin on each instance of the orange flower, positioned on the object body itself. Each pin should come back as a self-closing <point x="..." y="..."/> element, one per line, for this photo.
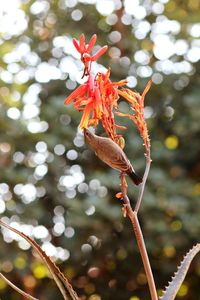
<point x="83" y="98"/>
<point x="97" y="98"/>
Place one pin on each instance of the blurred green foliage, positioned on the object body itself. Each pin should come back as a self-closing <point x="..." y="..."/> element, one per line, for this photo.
<point x="56" y="187"/>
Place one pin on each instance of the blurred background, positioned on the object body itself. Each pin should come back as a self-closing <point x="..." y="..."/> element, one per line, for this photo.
<point x="53" y="188"/>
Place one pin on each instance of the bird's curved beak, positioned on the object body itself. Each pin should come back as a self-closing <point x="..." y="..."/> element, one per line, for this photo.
<point x="87" y="135"/>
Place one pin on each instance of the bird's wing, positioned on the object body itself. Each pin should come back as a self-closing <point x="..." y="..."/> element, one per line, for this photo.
<point x="116" y="160"/>
<point x="120" y="162"/>
<point x="112" y="155"/>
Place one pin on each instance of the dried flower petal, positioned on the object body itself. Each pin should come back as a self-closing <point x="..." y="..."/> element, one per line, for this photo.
<point x="137" y="104"/>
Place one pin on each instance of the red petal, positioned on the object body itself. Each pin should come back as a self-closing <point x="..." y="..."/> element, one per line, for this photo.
<point x="91" y="43"/>
<point x="99" y="53"/>
<point x="79" y="92"/>
<point x="82" y="43"/>
<point x="76" y="45"/>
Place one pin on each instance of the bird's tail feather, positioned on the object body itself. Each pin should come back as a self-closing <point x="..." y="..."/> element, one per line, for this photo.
<point x="135" y="178"/>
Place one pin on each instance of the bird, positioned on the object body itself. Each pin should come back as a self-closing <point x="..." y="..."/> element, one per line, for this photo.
<point x="111" y="154"/>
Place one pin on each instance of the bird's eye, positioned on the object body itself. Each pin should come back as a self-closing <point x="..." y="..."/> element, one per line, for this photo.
<point x="86" y="133"/>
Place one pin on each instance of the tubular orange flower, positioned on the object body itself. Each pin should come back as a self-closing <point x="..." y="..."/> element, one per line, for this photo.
<point x="79" y="92"/>
<point x="97" y="98"/>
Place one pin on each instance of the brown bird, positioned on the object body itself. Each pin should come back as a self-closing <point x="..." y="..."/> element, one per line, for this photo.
<point x="111" y="153"/>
